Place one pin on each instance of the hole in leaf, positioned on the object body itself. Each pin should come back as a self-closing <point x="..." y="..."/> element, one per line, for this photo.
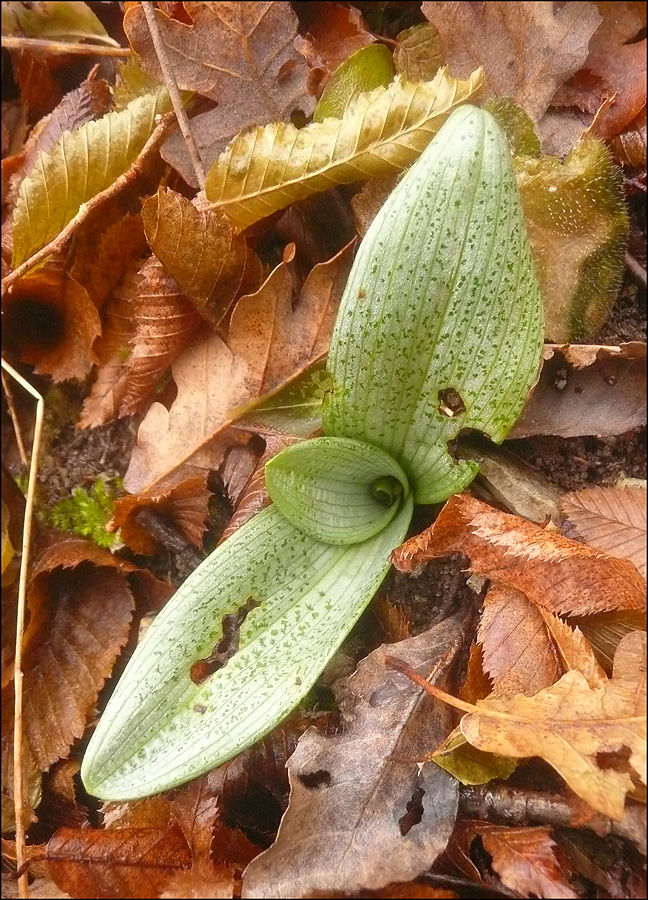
<point x="451" y="403"/>
<point x="386" y="490"/>
<point x="314" y="780"/>
<point x="298" y="118"/>
<point x="414" y="812"/>
<point x="618" y="760"/>
<point x="32" y="325"/>
<point x="227" y="645"/>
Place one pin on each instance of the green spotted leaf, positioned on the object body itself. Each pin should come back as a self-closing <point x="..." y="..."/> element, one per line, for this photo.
<point x="80" y="165"/>
<point x="440" y="326"/>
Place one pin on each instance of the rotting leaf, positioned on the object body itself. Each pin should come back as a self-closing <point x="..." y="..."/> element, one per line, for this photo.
<point x="349" y="793"/>
<point x="417" y="54"/>
<point x="562" y="576"/>
<point x="51" y="322"/>
<point x="269" y="344"/>
<point x="198" y="248"/>
<point x="80" y="165"/>
<point x="578" y="224"/>
<point x="116" y="862"/>
<point x="587" y="389"/>
<point x="527" y="50"/>
<point x="381" y="132"/>
<point x="241" y="55"/>
<point x="612" y="519"/>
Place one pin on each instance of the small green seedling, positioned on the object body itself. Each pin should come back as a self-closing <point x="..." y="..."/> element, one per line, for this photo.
<point x="440" y="329"/>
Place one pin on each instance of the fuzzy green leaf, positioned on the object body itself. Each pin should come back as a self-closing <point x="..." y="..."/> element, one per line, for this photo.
<point x="160" y="728"/>
<point x="381" y="132"/>
<point x="336" y="490"/>
<point x="366" y="69"/>
<point x="440" y="326"/>
<point x="80" y="165"/>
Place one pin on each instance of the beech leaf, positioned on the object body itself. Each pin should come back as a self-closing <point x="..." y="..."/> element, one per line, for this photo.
<point x="559" y="575"/>
<point x="80" y="165"/>
<point x="381" y="132"/>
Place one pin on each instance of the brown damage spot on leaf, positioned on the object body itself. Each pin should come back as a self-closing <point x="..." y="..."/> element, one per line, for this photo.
<point x="451" y="403"/>
<point x="227" y="646"/>
<point x="557" y="574"/>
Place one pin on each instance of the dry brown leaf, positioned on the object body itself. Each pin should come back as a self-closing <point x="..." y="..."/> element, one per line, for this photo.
<point x="417" y="54"/>
<point x="595" y="739"/>
<point x="336" y="31"/>
<point x="240" y="54"/>
<point x="39" y="888"/>
<point x="112" y="349"/>
<point x="519" y="654"/>
<point x="587" y="389"/>
<point x="362" y="813"/>
<point x="269" y="343"/>
<point x="574" y="650"/>
<point x="39" y="90"/>
<point x="165" y="321"/>
<point x="200" y="250"/>
<point x="151" y="812"/>
<point x="525" y="860"/>
<point x="605" y="631"/>
<point x="51" y="322"/>
<point x="410" y="889"/>
<point x="612" y="519"/>
<point x="615" y="69"/>
<point x="559" y="575"/>
<point x="206" y="880"/>
<point x="527" y="49"/>
<point x="629" y="147"/>
<point x="184" y="504"/>
<point x="116" y="862"/>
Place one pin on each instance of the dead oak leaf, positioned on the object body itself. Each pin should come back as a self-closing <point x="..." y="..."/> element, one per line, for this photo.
<point x="241" y="55"/>
<point x="594" y="738"/>
<point x="527" y="49"/>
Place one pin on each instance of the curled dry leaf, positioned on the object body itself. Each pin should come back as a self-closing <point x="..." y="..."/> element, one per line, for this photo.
<point x="629" y="147"/>
<point x="578" y="224"/>
<point x="116" y="862"/>
<point x="526" y="860"/>
<point x="555" y="45"/>
<point x="201" y="252"/>
<point x="595" y="739"/>
<point x="559" y="575"/>
<point x="185" y="505"/>
<point x="51" y="322"/>
<point x="269" y="344"/>
<point x="381" y="132"/>
<point x="361" y="813"/>
<point x="612" y="519"/>
<point x="241" y="55"/>
<point x="587" y="389"/>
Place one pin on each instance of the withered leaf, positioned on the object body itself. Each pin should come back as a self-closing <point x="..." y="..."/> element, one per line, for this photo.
<point x="39" y="89"/>
<point x="559" y="575"/>
<point x="525" y="860"/>
<point x="269" y="343"/>
<point x="527" y="49"/>
<point x="240" y="54"/>
<point x="336" y="31"/>
<point x="613" y="519"/>
<point x="185" y="504"/>
<point x="51" y="322"/>
<point x="629" y="147"/>
<point x="361" y="814"/>
<point x="199" y="249"/>
<point x="587" y="389"/>
<point x="116" y="862"/>
<point x="417" y="54"/>
<point x="605" y="631"/>
<point x="595" y="738"/>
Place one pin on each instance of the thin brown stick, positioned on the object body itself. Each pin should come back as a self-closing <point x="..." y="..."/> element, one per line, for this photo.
<point x="174" y="93"/>
<point x="19" y="800"/>
<point x="86" y="209"/>
<point x="14" y="420"/>
<point x="405" y="669"/>
<point x="635" y="268"/>
<point x="43" y="46"/>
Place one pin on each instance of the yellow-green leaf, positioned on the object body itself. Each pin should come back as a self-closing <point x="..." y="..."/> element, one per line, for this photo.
<point x="55" y="21"/>
<point x="80" y="165"/>
<point x="366" y="69"/>
<point x="382" y="132"/>
<point x="418" y="52"/>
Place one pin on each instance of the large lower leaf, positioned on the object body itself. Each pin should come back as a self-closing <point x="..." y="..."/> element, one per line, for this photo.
<point x="381" y="132"/>
<point x="440" y="325"/>
<point x="80" y="165"/>
<point x="160" y="728"/>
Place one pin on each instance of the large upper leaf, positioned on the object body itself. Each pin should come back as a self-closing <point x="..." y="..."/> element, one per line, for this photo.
<point x="160" y="728"/>
<point x="80" y="165"/>
<point x="380" y="133"/>
<point x="440" y="325"/>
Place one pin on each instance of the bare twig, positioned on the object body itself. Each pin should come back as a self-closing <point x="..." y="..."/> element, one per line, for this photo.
<point x="520" y="807"/>
<point x="636" y="269"/>
<point x="18" y="42"/>
<point x="19" y="800"/>
<point x="14" y="420"/>
<point x="90" y="207"/>
<point x="174" y="93"/>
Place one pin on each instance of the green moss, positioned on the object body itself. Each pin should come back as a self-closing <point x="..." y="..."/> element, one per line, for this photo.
<point x="87" y="513"/>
